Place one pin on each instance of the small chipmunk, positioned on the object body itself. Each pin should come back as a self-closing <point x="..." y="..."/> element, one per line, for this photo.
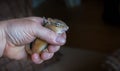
<point x="55" y="25"/>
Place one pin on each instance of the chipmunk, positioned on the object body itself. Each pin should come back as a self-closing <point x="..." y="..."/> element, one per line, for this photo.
<point x="55" y="25"/>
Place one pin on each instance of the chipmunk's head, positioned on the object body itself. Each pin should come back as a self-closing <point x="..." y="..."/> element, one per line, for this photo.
<point x="56" y="25"/>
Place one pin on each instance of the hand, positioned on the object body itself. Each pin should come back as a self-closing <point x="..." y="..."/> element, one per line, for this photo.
<point x="16" y="33"/>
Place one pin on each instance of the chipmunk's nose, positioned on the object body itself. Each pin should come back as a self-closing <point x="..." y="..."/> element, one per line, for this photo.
<point x="65" y="29"/>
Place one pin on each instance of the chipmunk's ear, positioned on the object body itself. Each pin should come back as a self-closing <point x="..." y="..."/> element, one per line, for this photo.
<point x="45" y="21"/>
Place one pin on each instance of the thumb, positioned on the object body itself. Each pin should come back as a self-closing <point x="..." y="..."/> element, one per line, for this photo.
<point x="50" y="36"/>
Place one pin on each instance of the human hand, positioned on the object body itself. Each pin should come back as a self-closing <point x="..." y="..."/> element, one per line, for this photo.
<point x="17" y="33"/>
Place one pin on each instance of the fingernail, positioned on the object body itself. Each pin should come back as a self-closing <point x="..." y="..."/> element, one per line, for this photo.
<point x="60" y="40"/>
<point x="54" y="49"/>
<point x="48" y="56"/>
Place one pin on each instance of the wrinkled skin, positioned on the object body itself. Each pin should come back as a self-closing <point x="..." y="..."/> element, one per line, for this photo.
<point x="16" y="33"/>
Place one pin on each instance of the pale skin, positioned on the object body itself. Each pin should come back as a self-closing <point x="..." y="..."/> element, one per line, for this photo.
<point x="15" y="34"/>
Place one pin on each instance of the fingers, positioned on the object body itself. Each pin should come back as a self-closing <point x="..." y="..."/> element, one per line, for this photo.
<point x="46" y="34"/>
<point x="50" y="36"/>
<point x="53" y="48"/>
<point x="36" y="59"/>
<point x="15" y="52"/>
<point x="45" y="55"/>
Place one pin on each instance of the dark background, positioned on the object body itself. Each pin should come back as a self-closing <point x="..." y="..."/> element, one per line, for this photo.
<point x="87" y="30"/>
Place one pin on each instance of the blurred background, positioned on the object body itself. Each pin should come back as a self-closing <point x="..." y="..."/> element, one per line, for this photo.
<point x="93" y="23"/>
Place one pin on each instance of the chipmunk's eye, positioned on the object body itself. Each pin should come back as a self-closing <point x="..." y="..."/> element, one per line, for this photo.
<point x="58" y="24"/>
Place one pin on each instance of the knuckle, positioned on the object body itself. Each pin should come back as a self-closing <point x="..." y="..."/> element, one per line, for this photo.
<point x="51" y="35"/>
